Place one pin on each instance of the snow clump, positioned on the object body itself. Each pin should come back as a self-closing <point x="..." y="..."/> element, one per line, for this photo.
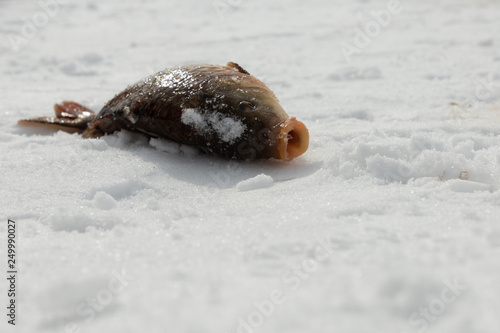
<point x="227" y="128"/>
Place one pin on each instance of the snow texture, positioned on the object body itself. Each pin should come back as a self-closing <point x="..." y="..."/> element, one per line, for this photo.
<point x="259" y="181"/>
<point x="177" y="78"/>
<point x="227" y="129"/>
<point x="388" y="223"/>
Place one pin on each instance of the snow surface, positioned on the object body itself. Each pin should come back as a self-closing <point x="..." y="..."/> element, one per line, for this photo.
<point x="388" y="223"/>
<point x="259" y="181"/>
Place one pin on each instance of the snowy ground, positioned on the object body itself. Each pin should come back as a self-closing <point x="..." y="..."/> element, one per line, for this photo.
<point x="389" y="223"/>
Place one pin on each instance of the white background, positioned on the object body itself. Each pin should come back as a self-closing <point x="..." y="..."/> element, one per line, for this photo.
<point x="388" y="223"/>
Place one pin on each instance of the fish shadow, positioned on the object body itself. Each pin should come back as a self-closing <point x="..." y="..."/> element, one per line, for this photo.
<point x="189" y="165"/>
<point x="210" y="171"/>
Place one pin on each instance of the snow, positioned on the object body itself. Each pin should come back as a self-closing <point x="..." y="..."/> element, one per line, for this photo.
<point x="177" y="78"/>
<point x="254" y="183"/>
<point x="388" y="223"/>
<point x="227" y="128"/>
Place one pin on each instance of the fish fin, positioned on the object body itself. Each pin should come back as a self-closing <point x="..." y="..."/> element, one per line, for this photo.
<point x="94" y="129"/>
<point x="72" y="110"/>
<point x="70" y="117"/>
<point x="237" y="67"/>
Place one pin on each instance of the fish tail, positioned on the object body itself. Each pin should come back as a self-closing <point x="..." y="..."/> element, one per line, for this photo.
<point x="70" y="117"/>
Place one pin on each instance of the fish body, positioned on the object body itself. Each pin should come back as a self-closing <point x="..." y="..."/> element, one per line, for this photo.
<point x="222" y="110"/>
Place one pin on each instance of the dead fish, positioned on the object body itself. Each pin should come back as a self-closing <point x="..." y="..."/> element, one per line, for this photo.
<point x="222" y="110"/>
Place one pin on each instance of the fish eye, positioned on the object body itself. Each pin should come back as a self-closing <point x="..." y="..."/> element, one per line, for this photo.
<point x="245" y="106"/>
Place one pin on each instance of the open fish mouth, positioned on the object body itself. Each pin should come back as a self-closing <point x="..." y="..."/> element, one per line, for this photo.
<point x="293" y="139"/>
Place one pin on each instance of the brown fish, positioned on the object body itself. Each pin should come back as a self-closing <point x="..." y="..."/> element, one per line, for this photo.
<point x="222" y="110"/>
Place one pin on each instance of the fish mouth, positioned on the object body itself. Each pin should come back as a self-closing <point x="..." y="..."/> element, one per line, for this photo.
<point x="293" y="139"/>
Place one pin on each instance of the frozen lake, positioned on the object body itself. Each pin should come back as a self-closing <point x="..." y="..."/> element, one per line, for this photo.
<point x="388" y="223"/>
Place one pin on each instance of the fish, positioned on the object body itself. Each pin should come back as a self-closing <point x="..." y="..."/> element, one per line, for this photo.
<point x="221" y="110"/>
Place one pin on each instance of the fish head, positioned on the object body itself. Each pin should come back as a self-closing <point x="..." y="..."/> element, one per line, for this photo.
<point x="261" y="127"/>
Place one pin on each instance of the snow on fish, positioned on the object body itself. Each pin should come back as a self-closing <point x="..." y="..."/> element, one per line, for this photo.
<point x="222" y="110"/>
